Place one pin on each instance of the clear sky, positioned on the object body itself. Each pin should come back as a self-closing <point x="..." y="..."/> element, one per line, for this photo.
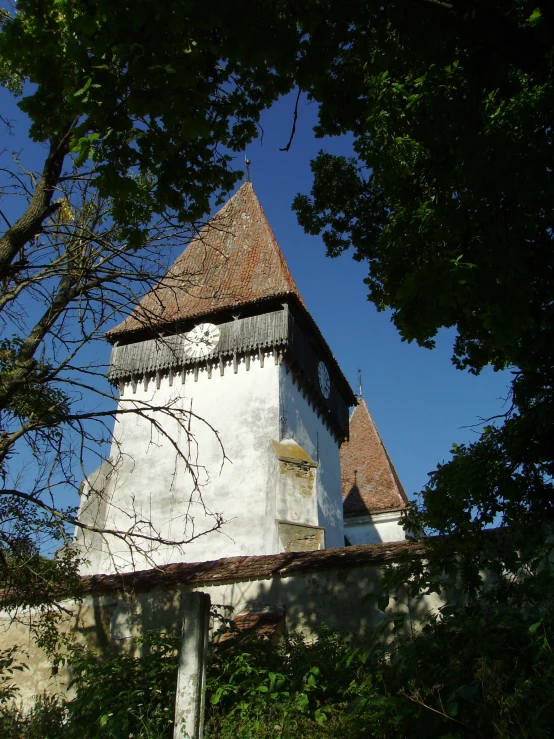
<point x="420" y="403"/>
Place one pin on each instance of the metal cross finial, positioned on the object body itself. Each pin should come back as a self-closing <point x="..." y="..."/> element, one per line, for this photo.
<point x="359" y="383"/>
<point x="248" y="163"/>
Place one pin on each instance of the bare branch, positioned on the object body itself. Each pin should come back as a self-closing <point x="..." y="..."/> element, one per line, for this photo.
<point x="56" y="301"/>
<point x="294" y="119"/>
<point x="125" y="536"/>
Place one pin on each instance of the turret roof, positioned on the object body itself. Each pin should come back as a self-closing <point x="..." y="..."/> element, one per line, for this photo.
<point x="369" y="481"/>
<point x="234" y="260"/>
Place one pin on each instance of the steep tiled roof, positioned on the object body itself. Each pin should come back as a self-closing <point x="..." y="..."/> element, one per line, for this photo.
<point x="369" y="481"/>
<point x="233" y="261"/>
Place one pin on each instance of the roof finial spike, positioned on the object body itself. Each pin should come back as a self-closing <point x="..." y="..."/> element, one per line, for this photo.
<point x="247" y="163"/>
<point x="359" y="383"/>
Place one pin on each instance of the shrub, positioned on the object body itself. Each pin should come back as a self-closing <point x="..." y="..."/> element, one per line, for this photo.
<point x="480" y="670"/>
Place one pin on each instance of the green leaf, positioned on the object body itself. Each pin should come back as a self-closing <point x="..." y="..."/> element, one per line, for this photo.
<point x="83" y="89"/>
<point x="535" y="18"/>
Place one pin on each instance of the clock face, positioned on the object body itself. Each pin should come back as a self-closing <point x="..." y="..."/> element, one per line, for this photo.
<point x="324" y="381"/>
<point x="201" y="340"/>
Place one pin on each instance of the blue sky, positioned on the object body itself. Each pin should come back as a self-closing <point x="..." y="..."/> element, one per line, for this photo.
<point x="420" y="403"/>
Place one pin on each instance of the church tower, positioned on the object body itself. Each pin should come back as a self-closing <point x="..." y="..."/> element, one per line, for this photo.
<point x="225" y="340"/>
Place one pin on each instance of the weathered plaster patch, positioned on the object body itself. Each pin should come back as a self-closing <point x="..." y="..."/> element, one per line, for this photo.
<point x="297" y="538"/>
<point x="288" y="450"/>
<point x="296" y="462"/>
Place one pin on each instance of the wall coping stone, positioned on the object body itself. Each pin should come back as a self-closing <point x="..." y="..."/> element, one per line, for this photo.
<point x="261" y="567"/>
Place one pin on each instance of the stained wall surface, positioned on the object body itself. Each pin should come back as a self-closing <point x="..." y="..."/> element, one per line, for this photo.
<point x="227" y="443"/>
<point x="298" y="421"/>
<point x="331" y="587"/>
<point x="230" y="425"/>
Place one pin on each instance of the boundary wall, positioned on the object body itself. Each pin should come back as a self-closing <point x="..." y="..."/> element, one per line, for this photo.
<point x="331" y="587"/>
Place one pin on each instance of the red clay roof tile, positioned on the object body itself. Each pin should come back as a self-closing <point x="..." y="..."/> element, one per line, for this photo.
<point x="234" y="260"/>
<point x="369" y="481"/>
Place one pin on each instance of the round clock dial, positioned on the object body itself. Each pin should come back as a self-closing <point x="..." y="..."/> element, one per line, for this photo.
<point x="201" y="340"/>
<point x="324" y="381"/>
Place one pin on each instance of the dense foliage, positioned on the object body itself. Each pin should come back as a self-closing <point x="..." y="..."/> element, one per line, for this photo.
<point x="449" y="201"/>
<point x="432" y="685"/>
<point x="157" y="92"/>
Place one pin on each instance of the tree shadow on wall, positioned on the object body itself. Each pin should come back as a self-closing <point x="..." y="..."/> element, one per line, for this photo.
<point x="345" y="597"/>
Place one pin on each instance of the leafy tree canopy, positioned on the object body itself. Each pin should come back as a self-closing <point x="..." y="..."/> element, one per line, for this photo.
<point x="450" y="198"/>
<point x="450" y="202"/>
<point x="155" y="95"/>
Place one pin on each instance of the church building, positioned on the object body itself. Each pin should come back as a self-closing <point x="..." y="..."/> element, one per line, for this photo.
<point x="233" y="412"/>
<point x="373" y="496"/>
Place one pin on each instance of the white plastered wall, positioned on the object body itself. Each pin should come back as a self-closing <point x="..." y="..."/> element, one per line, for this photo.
<point x="379" y="528"/>
<point x="150" y="482"/>
<point x="336" y="597"/>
